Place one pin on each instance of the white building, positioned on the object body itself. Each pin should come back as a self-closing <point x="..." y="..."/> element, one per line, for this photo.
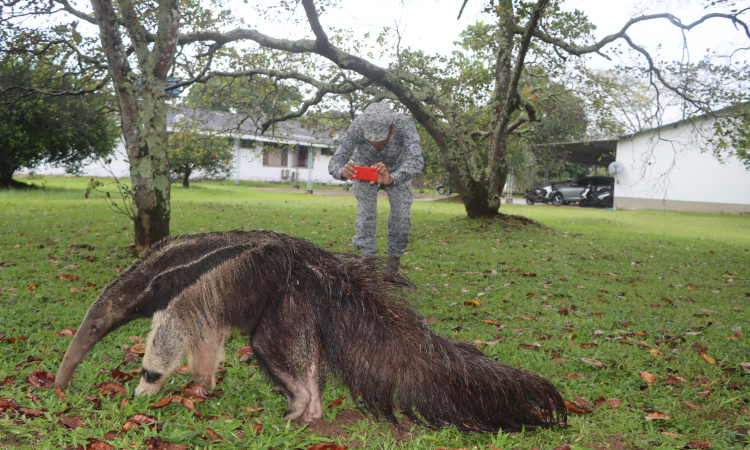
<point x="673" y="167"/>
<point x="282" y="154"/>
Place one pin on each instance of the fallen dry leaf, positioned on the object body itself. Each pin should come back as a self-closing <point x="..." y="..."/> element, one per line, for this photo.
<point x="699" y="444"/>
<point x="173" y="446"/>
<point x="707" y="358"/>
<point x="593" y="362"/>
<point x="8" y="403"/>
<point x="67" y="276"/>
<point x="563" y="447"/>
<point x="667" y="433"/>
<point x="197" y="391"/>
<point x="42" y="379"/>
<point x="245" y="350"/>
<point x="337" y="402"/>
<point x="674" y="380"/>
<point x="583" y="403"/>
<point x="575" y="409"/>
<point x="129" y="425"/>
<point x="258" y="427"/>
<point x="65" y="332"/>
<point x="212" y="435"/>
<point x="162" y="403"/>
<point x="589" y="345"/>
<point x="431" y="320"/>
<point x="326" y="446"/>
<point x="9" y="381"/>
<point x="649" y="377"/>
<point x="71" y="422"/>
<point x="658" y="416"/>
<point x="533" y="346"/>
<point x="98" y="445"/>
<point x="60" y="394"/>
<point x="111" y="388"/>
<point x="142" y="419"/>
<point x="745" y="366"/>
<point x="692" y="405"/>
<point x="138" y="349"/>
<point x="109" y="435"/>
<point x="117" y="374"/>
<point x="572" y="376"/>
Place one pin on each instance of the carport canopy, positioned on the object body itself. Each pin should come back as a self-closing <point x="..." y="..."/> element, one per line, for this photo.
<point x="593" y="153"/>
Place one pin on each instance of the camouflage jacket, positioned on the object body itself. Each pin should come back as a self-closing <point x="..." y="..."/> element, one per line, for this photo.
<point x="402" y="156"/>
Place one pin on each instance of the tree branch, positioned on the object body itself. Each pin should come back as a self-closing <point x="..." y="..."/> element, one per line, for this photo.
<point x="596" y="47"/>
<point x="74" y="12"/>
<point x="536" y="13"/>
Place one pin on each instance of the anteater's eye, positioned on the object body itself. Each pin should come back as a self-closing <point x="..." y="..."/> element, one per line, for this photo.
<point x="94" y="328"/>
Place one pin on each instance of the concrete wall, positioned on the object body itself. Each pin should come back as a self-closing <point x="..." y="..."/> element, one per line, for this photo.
<point x="674" y="168"/>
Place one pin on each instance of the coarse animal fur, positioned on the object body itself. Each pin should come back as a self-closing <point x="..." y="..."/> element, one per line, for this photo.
<point x="309" y="311"/>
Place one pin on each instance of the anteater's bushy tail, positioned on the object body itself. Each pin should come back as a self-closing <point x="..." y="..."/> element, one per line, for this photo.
<point x="390" y="361"/>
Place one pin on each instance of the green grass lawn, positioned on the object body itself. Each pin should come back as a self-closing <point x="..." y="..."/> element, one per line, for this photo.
<point x="590" y="299"/>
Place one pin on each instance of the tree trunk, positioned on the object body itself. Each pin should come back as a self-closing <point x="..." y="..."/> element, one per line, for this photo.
<point x="144" y="120"/>
<point x="186" y="178"/>
<point x="7" y="181"/>
<point x="149" y="168"/>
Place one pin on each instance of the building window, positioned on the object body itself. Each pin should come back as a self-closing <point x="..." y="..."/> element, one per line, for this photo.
<point x="327" y="151"/>
<point x="275" y="155"/>
<point x="247" y="143"/>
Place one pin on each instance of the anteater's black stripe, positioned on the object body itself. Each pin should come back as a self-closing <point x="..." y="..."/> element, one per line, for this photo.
<point x="168" y="284"/>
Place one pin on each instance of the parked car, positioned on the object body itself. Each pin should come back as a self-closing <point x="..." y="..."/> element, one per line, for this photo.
<point x="571" y="192"/>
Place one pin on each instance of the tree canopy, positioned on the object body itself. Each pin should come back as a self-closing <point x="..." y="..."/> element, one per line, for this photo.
<point x="36" y="129"/>
<point x="193" y="148"/>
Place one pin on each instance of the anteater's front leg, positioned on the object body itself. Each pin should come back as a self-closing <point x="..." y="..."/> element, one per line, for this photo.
<point x="165" y="347"/>
<point x="205" y="356"/>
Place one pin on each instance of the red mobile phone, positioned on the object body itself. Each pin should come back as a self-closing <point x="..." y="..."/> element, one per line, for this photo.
<point x="365" y="173"/>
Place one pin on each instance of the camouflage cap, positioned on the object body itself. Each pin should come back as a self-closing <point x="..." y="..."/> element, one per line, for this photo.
<point x="377" y="121"/>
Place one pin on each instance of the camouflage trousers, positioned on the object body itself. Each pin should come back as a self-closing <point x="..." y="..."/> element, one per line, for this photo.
<point x="399" y="221"/>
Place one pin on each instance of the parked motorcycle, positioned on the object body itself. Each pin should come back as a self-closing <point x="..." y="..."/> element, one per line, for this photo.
<point x="549" y="194"/>
<point x="601" y="196"/>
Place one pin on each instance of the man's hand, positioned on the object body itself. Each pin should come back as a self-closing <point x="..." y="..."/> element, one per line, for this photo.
<point x="349" y="171"/>
<point x="383" y="177"/>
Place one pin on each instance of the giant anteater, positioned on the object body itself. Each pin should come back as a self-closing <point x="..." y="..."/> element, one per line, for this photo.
<point x="308" y="311"/>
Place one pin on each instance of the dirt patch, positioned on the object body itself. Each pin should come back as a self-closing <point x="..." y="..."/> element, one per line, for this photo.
<point x="615" y="442"/>
<point x="335" y="430"/>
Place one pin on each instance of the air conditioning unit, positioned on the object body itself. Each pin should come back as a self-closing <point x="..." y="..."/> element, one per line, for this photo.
<point x="284" y="174"/>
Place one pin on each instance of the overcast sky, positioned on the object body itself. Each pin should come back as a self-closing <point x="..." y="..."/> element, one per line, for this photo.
<point x="431" y="25"/>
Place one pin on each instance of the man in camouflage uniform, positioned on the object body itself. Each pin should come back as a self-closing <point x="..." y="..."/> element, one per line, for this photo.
<point x="390" y="143"/>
